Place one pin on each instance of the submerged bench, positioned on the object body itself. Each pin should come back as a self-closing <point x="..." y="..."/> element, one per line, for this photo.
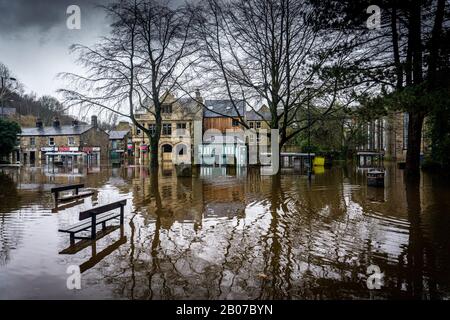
<point x="97" y="215"/>
<point x="76" y="195"/>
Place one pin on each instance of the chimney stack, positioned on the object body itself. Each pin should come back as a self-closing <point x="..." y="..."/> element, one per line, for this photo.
<point x="94" y="121"/>
<point x="38" y="123"/>
<point x="56" y="122"/>
<point x="198" y="96"/>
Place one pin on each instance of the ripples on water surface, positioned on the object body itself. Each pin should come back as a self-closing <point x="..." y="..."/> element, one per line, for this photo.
<point x="235" y="236"/>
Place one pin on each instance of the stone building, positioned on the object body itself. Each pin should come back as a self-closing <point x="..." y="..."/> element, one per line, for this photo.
<point x="397" y="136"/>
<point x="64" y="143"/>
<point x="177" y="133"/>
<point x="119" y="142"/>
<point x="389" y="136"/>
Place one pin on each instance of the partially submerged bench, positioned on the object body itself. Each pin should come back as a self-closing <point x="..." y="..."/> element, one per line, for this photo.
<point x="75" y="195"/>
<point x="93" y="217"/>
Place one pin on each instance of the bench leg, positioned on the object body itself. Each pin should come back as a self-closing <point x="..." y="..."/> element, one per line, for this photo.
<point x="72" y="239"/>
<point x="121" y="214"/>
<point x="93" y="228"/>
<point x="122" y="231"/>
<point x="104" y="226"/>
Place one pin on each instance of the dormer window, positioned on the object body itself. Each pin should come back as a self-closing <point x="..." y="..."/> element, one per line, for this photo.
<point x="166" y="108"/>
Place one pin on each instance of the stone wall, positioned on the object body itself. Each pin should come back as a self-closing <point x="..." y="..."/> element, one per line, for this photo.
<point x="95" y="137"/>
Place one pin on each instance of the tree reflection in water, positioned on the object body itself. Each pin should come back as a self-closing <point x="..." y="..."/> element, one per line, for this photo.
<point x="244" y="235"/>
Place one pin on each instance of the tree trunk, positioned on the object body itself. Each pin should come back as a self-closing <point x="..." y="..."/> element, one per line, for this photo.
<point x="414" y="141"/>
<point x="154" y="152"/>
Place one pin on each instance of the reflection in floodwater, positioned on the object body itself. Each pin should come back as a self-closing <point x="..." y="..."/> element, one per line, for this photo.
<point x="228" y="233"/>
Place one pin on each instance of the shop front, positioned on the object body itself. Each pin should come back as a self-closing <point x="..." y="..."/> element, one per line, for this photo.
<point x="92" y="155"/>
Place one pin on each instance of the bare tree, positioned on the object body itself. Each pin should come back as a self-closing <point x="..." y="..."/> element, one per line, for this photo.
<point x="146" y="55"/>
<point x="262" y="51"/>
<point x="8" y="84"/>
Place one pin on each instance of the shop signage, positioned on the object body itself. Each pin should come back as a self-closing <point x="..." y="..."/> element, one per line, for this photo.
<point x="49" y="149"/>
<point x="91" y="149"/>
<point x="144" y="147"/>
<point x="68" y="149"/>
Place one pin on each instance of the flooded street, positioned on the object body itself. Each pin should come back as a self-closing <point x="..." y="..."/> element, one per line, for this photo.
<point x="228" y="234"/>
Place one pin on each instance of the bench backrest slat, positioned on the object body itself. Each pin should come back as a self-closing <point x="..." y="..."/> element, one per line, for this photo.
<point x="102" y="209"/>
<point x="67" y="187"/>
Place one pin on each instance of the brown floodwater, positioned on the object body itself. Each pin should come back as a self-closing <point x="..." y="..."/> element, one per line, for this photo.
<point x="228" y="234"/>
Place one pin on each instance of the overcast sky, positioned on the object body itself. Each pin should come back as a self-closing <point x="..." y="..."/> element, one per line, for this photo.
<point x="34" y="39"/>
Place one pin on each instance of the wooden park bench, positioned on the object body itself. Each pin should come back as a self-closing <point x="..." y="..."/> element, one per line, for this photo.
<point x="97" y="215"/>
<point x="76" y="195"/>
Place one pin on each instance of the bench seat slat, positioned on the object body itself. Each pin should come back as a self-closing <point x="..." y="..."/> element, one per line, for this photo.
<point x="67" y="187"/>
<point x="76" y="196"/>
<point x="83" y="225"/>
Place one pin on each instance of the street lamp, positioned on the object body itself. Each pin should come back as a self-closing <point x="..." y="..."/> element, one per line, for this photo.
<point x="2" y="87"/>
<point x="308" y="85"/>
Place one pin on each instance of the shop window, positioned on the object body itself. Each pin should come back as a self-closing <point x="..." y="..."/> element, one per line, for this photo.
<point x="167" y="148"/>
<point x="166" y="108"/>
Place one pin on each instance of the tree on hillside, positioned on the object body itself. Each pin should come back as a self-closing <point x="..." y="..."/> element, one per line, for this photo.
<point x="145" y="55"/>
<point x="52" y="104"/>
<point x="8" y="136"/>
<point x="8" y="85"/>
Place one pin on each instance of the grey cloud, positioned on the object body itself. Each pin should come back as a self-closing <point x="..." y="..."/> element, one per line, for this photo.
<point x="19" y="15"/>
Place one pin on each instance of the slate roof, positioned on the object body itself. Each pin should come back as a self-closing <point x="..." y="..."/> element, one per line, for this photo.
<point x="260" y="116"/>
<point x="224" y="107"/>
<point x="117" y="135"/>
<point x="65" y="130"/>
